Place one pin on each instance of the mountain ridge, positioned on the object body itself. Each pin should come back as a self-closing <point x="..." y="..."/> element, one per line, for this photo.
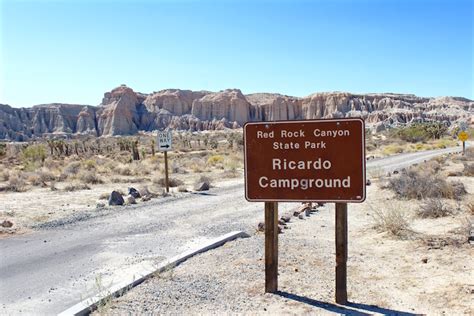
<point x="126" y="112"/>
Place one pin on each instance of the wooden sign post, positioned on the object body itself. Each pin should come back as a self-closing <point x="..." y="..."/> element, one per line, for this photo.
<point x="164" y="144"/>
<point x="305" y="161"/>
<point x="271" y="247"/>
<point x="341" y="253"/>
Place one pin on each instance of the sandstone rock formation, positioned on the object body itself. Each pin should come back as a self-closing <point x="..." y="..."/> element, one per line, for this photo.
<point x="125" y="112"/>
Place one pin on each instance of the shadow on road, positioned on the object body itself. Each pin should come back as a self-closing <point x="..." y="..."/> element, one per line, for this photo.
<point x="204" y="193"/>
<point x="360" y="309"/>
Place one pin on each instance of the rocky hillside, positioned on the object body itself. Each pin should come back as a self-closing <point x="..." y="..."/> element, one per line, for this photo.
<point x="124" y="111"/>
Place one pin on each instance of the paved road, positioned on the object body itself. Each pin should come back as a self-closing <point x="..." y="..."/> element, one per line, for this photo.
<point x="404" y="160"/>
<point x="49" y="270"/>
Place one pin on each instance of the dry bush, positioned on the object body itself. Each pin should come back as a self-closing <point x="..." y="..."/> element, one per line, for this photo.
<point x="76" y="187"/>
<point x="468" y="169"/>
<point x="16" y="184"/>
<point x="204" y="179"/>
<point x="72" y="168"/>
<point x="123" y="170"/>
<point x="215" y="160"/>
<point x="89" y="164"/>
<point x="172" y="182"/>
<point x="89" y="177"/>
<point x="5" y="175"/>
<point x="416" y="184"/>
<point x="434" y="208"/>
<point x="393" y="221"/>
<point x="40" y="178"/>
<point x="139" y="169"/>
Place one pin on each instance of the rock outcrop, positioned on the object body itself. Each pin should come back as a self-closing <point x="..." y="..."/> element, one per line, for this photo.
<point x="229" y="104"/>
<point x="125" y="112"/>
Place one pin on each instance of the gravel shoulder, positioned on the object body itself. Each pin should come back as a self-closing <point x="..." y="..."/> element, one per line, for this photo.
<point x="385" y="275"/>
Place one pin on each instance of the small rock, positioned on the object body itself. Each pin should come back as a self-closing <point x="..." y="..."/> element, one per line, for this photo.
<point x="307" y="212"/>
<point x="296" y="213"/>
<point x="146" y="198"/>
<point x="296" y="270"/>
<point x="116" y="198"/>
<point x="129" y="199"/>
<point x="143" y="191"/>
<point x="100" y="205"/>
<point x="7" y="224"/>
<point x="202" y="186"/>
<point x="261" y="227"/>
<point x="300" y="216"/>
<point x="368" y="182"/>
<point x="134" y="192"/>
<point x="280" y="229"/>
<point x="424" y="260"/>
<point x="286" y="218"/>
<point x="395" y="172"/>
<point x="281" y="222"/>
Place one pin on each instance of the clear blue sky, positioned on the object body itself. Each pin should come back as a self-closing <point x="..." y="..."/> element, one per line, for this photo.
<point x="73" y="51"/>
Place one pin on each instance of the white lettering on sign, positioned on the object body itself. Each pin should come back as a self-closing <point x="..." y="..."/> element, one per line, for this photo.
<point x="164" y="140"/>
<point x="319" y="133"/>
<point x="304" y="184"/>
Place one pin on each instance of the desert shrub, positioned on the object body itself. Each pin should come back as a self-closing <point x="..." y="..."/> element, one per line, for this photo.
<point x="392" y="149"/>
<point x="468" y="169"/>
<point x="89" y="177"/>
<point x="89" y="164"/>
<point x="76" y="187"/>
<point x="172" y="182"/>
<point x="215" y="159"/>
<point x="5" y="175"/>
<point x="16" y="184"/>
<point x="3" y="149"/>
<point x="419" y="132"/>
<point x="123" y="170"/>
<point x="393" y="220"/>
<point x="33" y="155"/>
<point x="415" y="184"/>
<point x="51" y="164"/>
<point x="138" y="168"/>
<point x="72" y="168"/>
<point x="40" y="177"/>
<point x="434" y="208"/>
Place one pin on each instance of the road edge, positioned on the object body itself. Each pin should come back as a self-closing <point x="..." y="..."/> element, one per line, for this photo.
<point x="85" y="307"/>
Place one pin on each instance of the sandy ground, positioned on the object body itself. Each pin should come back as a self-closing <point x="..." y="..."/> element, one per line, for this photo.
<point x="386" y="275"/>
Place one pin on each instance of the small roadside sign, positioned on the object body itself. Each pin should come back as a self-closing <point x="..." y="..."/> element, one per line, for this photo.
<point x="462" y="136"/>
<point x="164" y="141"/>
<point x="164" y="144"/>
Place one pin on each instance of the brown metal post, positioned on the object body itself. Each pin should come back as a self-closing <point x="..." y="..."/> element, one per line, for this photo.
<point x="463" y="148"/>
<point x="341" y="253"/>
<point x="166" y="173"/>
<point x="271" y="247"/>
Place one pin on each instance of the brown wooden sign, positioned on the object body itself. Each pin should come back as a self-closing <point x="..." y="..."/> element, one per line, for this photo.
<point x="314" y="160"/>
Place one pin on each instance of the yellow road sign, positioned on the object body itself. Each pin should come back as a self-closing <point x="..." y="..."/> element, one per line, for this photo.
<point x="462" y="136"/>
